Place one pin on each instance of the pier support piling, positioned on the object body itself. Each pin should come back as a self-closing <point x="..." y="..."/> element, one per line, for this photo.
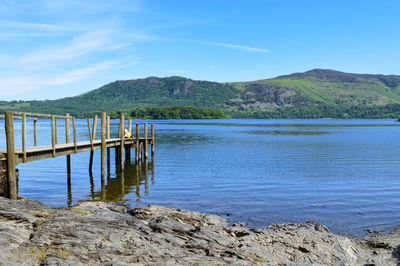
<point x="11" y="175"/>
<point x="122" y="139"/>
<point x="137" y="143"/>
<point x="152" y="142"/>
<point x="103" y="146"/>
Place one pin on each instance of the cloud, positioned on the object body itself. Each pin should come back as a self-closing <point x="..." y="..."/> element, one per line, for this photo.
<point x="212" y="67"/>
<point x="26" y="25"/>
<point x="24" y="83"/>
<point x="81" y="46"/>
<point x="236" y="46"/>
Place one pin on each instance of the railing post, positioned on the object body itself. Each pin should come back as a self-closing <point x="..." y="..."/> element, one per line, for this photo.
<point x="53" y="140"/>
<point x="122" y="139"/>
<point x="24" y="137"/>
<point x="103" y="145"/>
<point x="108" y="149"/>
<point x="34" y="133"/>
<point x="74" y="129"/>
<point x="11" y="176"/>
<point x="67" y="140"/>
<point x="56" y="131"/>
<point x="130" y="126"/>
<point x="94" y="127"/>
<point x="145" y="141"/>
<point x="137" y="142"/>
<point x="152" y="142"/>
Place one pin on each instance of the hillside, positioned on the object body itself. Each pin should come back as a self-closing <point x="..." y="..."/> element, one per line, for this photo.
<point x="315" y="93"/>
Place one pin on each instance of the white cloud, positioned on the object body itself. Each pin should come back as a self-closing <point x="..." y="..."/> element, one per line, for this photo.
<point x="212" y="67"/>
<point x="23" y="83"/>
<point x="236" y="46"/>
<point x="80" y="46"/>
<point x="27" y="25"/>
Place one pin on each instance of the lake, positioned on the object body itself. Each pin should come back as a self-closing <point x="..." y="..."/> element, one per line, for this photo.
<point x="341" y="173"/>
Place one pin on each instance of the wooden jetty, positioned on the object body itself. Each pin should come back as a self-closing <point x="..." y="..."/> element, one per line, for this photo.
<point x="12" y="156"/>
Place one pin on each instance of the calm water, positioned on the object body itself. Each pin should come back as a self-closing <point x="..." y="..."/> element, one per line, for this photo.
<point x="341" y="173"/>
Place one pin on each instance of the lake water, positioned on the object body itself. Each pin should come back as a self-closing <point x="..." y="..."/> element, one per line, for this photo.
<point x="341" y="173"/>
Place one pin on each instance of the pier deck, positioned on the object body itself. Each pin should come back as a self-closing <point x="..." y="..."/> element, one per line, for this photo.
<point x="13" y="156"/>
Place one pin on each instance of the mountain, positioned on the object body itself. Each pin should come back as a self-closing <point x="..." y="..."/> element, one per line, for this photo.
<point x="315" y="93"/>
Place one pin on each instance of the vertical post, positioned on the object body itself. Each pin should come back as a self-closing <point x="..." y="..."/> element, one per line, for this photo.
<point x="103" y="145"/>
<point x="122" y="138"/>
<point x="108" y="149"/>
<point x="93" y="138"/>
<point x="145" y="141"/>
<point x="67" y="131"/>
<point x="130" y="126"/>
<point x="67" y="140"/>
<point x="34" y="133"/>
<point x="11" y="176"/>
<point x="24" y="137"/>
<point x="53" y="140"/>
<point x="56" y="131"/>
<point x="90" y="132"/>
<point x="91" y="142"/>
<point x="94" y="127"/>
<point x="74" y="129"/>
<point x="152" y="142"/>
<point x="137" y="143"/>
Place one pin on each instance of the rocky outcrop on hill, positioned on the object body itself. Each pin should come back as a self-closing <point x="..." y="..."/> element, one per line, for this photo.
<point x="99" y="233"/>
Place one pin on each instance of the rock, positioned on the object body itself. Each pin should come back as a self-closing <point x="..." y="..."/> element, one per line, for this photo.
<point x="103" y="233"/>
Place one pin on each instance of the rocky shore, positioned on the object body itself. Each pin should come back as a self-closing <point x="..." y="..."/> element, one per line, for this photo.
<point x="99" y="233"/>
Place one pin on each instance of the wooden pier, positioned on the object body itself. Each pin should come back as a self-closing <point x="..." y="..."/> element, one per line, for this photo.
<point x="12" y="156"/>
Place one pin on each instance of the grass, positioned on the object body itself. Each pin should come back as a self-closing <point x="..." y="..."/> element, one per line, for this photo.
<point x="39" y="213"/>
<point x="81" y="211"/>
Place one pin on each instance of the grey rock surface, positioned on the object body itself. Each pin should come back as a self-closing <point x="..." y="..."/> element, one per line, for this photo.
<point x="100" y="233"/>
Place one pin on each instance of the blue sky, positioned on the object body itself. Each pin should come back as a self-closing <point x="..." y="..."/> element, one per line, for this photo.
<point x="53" y="49"/>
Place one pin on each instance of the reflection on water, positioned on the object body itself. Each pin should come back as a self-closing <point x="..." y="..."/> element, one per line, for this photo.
<point x="134" y="179"/>
<point x="284" y="132"/>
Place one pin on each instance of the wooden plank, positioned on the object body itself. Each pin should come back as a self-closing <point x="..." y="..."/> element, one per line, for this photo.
<point x="40" y="115"/>
<point x="130" y="126"/>
<point x="11" y="176"/>
<point x="24" y="136"/>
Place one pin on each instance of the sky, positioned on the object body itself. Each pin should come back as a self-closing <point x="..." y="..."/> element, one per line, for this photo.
<point x="55" y="49"/>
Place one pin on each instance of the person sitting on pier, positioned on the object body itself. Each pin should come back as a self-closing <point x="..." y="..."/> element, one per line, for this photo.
<point x="127" y="134"/>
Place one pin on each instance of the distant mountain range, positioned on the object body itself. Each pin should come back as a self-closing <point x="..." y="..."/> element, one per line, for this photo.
<point x="312" y="94"/>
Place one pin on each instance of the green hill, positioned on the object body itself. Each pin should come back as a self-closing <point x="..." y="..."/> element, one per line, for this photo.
<point x="315" y="93"/>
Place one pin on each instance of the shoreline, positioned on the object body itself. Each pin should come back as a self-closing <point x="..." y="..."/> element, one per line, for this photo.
<point x="105" y="233"/>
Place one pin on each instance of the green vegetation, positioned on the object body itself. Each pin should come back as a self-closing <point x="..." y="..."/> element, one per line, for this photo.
<point x="313" y="94"/>
<point x="171" y="112"/>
